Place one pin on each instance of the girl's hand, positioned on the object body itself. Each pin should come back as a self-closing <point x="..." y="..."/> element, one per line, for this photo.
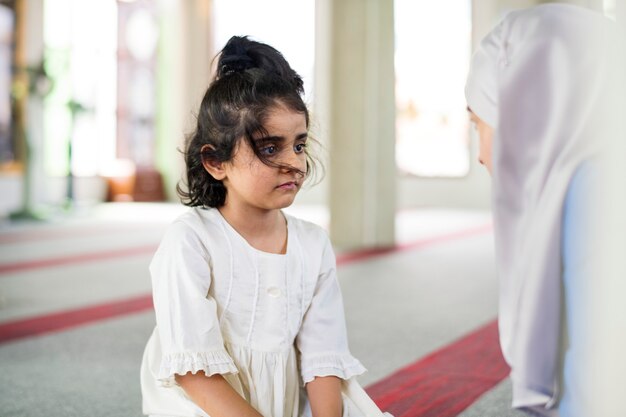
<point x="215" y="396"/>
<point x="325" y="396"/>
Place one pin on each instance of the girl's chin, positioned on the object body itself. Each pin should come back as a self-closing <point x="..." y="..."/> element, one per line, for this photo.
<point x="285" y="201"/>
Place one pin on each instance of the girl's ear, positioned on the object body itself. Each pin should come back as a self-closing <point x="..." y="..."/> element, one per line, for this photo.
<point x="215" y="168"/>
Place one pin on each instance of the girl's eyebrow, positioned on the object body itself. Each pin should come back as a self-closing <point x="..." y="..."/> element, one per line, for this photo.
<point x="266" y="139"/>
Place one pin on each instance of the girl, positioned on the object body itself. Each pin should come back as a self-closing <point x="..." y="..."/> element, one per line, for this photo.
<point x="537" y="91"/>
<point x="248" y="308"/>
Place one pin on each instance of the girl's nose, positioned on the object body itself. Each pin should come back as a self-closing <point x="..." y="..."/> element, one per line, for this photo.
<point x="294" y="162"/>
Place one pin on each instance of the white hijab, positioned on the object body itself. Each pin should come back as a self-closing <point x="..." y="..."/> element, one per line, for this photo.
<point x="537" y="80"/>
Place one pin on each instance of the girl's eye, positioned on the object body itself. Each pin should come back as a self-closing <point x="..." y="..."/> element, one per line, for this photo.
<point x="299" y="148"/>
<point x="268" y="150"/>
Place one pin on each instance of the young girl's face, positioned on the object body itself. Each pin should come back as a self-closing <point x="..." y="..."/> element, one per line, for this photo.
<point x="485" y="133"/>
<point x="250" y="183"/>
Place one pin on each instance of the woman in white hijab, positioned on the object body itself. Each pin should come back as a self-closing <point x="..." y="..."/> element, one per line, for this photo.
<point x="535" y="92"/>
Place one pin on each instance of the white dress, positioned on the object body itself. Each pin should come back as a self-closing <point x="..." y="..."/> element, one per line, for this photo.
<point x="268" y="323"/>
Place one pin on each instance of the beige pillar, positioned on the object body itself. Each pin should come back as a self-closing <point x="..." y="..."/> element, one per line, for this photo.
<point x="361" y="112"/>
<point x="185" y="53"/>
<point x="29" y="54"/>
<point x="607" y="360"/>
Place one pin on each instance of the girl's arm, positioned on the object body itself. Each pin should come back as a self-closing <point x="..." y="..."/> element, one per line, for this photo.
<point x="215" y="396"/>
<point x="325" y="396"/>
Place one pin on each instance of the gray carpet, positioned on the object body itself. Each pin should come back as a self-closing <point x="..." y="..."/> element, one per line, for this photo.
<point x="88" y="371"/>
<point x="399" y="307"/>
<point x="494" y="403"/>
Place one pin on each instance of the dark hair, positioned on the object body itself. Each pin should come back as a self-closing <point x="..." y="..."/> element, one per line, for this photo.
<point x="252" y="78"/>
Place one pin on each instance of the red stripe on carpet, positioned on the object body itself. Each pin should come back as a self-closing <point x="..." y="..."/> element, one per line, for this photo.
<point x="447" y="381"/>
<point x="71" y="318"/>
<point x="418" y="244"/>
<point x="442" y="384"/>
<point x="142" y="250"/>
<point x="59" y="321"/>
<point x="75" y="259"/>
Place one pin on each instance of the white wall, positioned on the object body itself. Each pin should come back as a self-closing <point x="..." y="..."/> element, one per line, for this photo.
<point x="188" y="60"/>
<point x="473" y="190"/>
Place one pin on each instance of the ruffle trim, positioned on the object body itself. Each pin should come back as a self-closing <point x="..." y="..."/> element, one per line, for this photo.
<point x="214" y="362"/>
<point x="341" y="366"/>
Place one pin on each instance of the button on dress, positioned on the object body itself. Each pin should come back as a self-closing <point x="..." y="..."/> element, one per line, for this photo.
<point x="268" y="323"/>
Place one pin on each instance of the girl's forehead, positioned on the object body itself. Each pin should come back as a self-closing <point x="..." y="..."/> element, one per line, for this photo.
<point x="281" y="117"/>
<point x="281" y="108"/>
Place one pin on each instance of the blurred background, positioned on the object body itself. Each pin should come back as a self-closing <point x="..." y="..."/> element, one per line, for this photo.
<point x="96" y="98"/>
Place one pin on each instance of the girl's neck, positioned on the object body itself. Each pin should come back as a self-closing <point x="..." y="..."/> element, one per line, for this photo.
<point x="265" y="230"/>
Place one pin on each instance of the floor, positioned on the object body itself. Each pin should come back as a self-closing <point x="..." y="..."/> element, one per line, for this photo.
<point x="75" y="312"/>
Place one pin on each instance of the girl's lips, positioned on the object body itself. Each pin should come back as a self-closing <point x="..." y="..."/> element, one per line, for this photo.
<point x="292" y="185"/>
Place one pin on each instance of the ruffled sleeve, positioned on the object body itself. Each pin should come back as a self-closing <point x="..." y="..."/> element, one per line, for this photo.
<point x="322" y="340"/>
<point x="186" y="316"/>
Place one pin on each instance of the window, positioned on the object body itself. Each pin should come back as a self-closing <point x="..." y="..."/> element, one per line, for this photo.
<point x="7" y="152"/>
<point x="138" y="37"/>
<point x="80" y="57"/>
<point x="433" y="47"/>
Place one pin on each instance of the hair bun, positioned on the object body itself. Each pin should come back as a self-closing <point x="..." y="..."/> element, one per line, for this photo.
<point x="234" y="56"/>
<point x="241" y="53"/>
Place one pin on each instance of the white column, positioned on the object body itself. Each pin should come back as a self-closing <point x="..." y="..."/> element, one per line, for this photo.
<point x="185" y="54"/>
<point x="34" y="129"/>
<point x="361" y="112"/>
<point x="607" y="361"/>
